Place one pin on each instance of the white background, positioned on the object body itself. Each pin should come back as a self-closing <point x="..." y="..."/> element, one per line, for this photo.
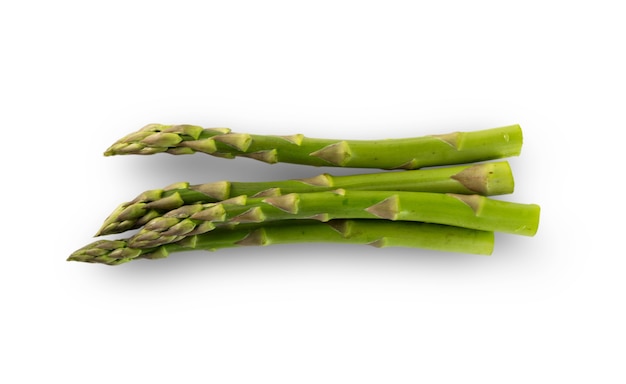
<point x="76" y="76"/>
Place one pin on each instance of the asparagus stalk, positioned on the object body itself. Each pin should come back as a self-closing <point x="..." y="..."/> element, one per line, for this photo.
<point x="409" y="153"/>
<point x="378" y="233"/>
<point x="486" y="179"/>
<point x="468" y="211"/>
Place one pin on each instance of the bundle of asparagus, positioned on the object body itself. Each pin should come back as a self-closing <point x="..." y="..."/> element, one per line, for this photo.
<point x="444" y="208"/>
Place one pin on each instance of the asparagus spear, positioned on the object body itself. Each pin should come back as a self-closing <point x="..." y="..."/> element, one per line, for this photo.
<point x="468" y="211"/>
<point x="378" y="233"/>
<point x="486" y="179"/>
<point x="409" y="153"/>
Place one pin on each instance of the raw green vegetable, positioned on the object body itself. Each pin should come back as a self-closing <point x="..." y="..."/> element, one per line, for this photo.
<point x="442" y="208"/>
<point x="407" y="153"/>
<point x="378" y="233"/>
<point x="468" y="211"/>
<point x="486" y="179"/>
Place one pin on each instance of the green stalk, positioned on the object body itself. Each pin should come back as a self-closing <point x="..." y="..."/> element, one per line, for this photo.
<point x="468" y="211"/>
<point x="408" y="153"/>
<point x="485" y="179"/>
<point x="378" y="233"/>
